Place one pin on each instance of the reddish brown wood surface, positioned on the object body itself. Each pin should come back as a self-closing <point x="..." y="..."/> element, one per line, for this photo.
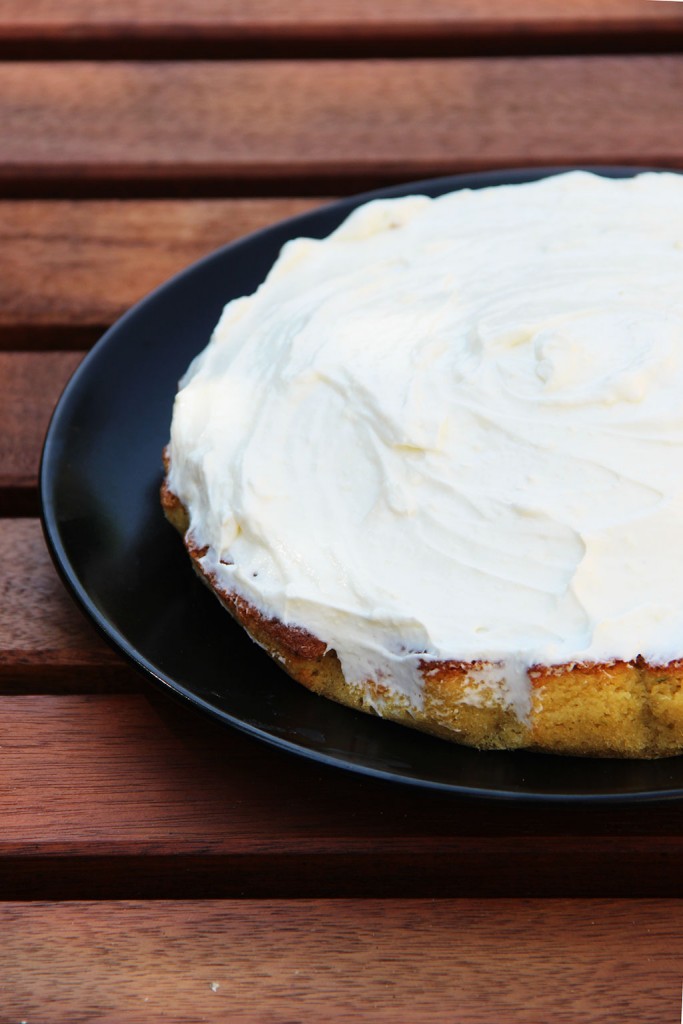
<point x="327" y="124"/>
<point x="69" y="269"/>
<point x="110" y="792"/>
<point x="45" y="642"/>
<point x="475" y="962"/>
<point x="30" y="385"/>
<point x="308" y="28"/>
<point x="72" y="16"/>
<point x="104" y="795"/>
<point x="97" y="790"/>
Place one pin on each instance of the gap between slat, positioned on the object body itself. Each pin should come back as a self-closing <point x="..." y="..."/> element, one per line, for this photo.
<point x="258" y="185"/>
<point x="418" y="44"/>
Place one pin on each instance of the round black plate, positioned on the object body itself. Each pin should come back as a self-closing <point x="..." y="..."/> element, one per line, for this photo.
<point x="100" y="478"/>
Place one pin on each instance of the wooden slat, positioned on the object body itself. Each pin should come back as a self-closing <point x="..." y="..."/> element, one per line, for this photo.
<point x="325" y="125"/>
<point x="253" y="16"/>
<point x="296" y="27"/>
<point x="475" y="962"/>
<point x="30" y="384"/>
<point x="69" y="269"/>
<point x="102" y="797"/>
<point x="46" y="644"/>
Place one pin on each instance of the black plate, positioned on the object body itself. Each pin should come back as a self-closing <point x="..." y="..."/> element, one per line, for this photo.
<point x="100" y="479"/>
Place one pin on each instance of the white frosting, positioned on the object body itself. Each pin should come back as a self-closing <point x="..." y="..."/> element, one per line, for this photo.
<point x="454" y="430"/>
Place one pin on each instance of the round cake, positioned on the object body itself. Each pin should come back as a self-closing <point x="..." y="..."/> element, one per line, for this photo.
<point x="434" y="464"/>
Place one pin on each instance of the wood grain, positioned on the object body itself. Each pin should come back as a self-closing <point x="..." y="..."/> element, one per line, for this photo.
<point x="477" y="962"/>
<point x="251" y="16"/>
<point x="30" y="385"/>
<point x="305" y="27"/>
<point x="125" y="796"/>
<point x="69" y="269"/>
<point x="325" y="125"/>
<point x="46" y="644"/>
<point x="106" y="796"/>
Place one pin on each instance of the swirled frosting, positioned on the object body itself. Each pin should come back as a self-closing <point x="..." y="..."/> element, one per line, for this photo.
<point x="453" y="430"/>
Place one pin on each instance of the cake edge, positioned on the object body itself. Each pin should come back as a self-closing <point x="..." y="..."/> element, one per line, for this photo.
<point x="619" y="709"/>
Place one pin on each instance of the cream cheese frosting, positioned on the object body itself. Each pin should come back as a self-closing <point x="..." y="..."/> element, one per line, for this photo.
<point x="453" y="430"/>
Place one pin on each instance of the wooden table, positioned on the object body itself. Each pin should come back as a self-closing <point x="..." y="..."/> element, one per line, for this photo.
<point x="152" y="865"/>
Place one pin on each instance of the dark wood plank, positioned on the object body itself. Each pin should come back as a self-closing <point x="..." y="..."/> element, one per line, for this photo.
<point x="342" y="27"/>
<point x="30" y="384"/>
<point x="113" y="796"/>
<point x="477" y="962"/>
<point x="69" y="269"/>
<point x="325" y="125"/>
<point x="46" y="644"/>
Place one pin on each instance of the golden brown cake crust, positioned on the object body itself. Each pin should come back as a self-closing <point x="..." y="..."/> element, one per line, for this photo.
<point x="620" y="709"/>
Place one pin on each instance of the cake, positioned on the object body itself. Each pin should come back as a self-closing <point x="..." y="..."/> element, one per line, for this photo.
<point x="434" y="464"/>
